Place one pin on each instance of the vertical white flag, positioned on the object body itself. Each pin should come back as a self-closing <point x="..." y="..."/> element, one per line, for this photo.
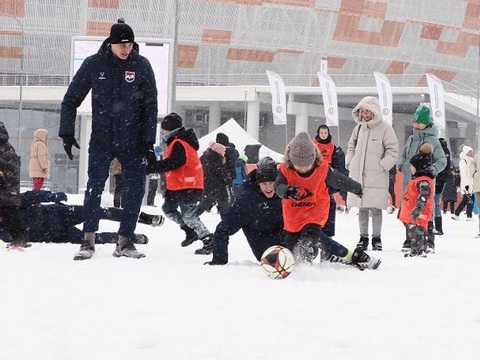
<point x="384" y="90"/>
<point x="329" y="94"/>
<point x="437" y="100"/>
<point x="279" y="99"/>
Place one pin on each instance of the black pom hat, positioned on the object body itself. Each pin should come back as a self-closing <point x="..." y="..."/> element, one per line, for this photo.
<point x="423" y="159"/>
<point x="121" y="33"/>
<point x="266" y="170"/>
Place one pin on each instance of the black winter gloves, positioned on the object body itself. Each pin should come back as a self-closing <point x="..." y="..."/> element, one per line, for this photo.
<point x="146" y="150"/>
<point x="55" y="197"/>
<point x="68" y="142"/>
<point x="292" y="192"/>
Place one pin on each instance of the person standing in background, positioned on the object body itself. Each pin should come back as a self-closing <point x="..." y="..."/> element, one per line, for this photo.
<point x="323" y="141"/>
<point x="372" y="151"/>
<point x="440" y="181"/>
<point x="241" y="175"/>
<point x="119" y="187"/>
<point x="124" y="123"/>
<point x="475" y="170"/>
<point x="466" y="182"/>
<point x="449" y="195"/>
<point x="424" y="130"/>
<point x="392" y="179"/>
<point x="39" y="165"/>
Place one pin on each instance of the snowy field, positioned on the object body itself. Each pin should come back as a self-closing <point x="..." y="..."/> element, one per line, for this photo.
<point x="170" y="306"/>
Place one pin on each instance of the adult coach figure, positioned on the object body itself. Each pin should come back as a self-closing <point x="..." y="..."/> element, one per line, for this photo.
<point x="124" y="120"/>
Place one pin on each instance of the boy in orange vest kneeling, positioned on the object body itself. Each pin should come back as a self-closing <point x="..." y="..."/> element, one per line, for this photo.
<point x="302" y="183"/>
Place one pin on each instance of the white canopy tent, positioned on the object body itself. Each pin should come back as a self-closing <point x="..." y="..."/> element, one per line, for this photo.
<point x="240" y="138"/>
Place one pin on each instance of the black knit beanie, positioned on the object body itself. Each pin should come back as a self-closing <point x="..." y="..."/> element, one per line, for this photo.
<point x="171" y="122"/>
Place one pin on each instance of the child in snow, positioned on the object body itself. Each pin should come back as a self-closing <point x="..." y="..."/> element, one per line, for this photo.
<point x="302" y="184"/>
<point x="417" y="203"/>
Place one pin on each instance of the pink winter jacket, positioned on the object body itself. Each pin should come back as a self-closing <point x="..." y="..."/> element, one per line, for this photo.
<point x="39" y="165"/>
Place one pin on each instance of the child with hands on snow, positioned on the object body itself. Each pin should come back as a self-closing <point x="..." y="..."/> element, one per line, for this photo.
<point x="302" y="183"/>
<point x="417" y="204"/>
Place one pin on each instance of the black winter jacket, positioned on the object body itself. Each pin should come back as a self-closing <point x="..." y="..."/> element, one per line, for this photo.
<point x="10" y="166"/>
<point x="124" y="99"/>
<point x="216" y="176"/>
<point x="259" y="217"/>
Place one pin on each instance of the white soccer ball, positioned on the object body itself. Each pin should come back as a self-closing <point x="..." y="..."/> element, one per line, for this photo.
<point x="277" y="262"/>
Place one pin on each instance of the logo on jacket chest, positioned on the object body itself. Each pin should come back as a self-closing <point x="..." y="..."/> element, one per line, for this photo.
<point x="129" y="76"/>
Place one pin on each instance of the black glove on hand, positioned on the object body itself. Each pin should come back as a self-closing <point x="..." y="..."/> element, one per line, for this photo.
<point x="415" y="213"/>
<point x="3" y="181"/>
<point x="147" y="150"/>
<point x="56" y="197"/>
<point x="68" y="142"/>
<point x="292" y="192"/>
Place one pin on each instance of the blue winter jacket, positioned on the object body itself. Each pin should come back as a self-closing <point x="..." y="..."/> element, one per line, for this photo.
<point x="124" y="99"/>
<point x="259" y="217"/>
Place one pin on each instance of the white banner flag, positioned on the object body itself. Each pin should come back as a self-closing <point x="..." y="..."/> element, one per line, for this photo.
<point x="279" y="99"/>
<point x="329" y="94"/>
<point x="437" y="100"/>
<point x="384" y="90"/>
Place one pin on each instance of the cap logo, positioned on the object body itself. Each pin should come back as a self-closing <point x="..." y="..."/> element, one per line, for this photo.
<point x="129" y="76"/>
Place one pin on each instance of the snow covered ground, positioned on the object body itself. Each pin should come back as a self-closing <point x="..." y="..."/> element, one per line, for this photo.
<point x="170" y="306"/>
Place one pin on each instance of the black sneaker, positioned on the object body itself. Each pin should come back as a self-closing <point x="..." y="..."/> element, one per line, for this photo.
<point x="363" y="261"/>
<point x="86" y="251"/>
<point x="216" y="262"/>
<point x="363" y="243"/>
<point x="154" y="220"/>
<point x="191" y="236"/>
<point x="207" y="248"/>
<point x="406" y="246"/>
<point x="376" y="243"/>
<point x="127" y="250"/>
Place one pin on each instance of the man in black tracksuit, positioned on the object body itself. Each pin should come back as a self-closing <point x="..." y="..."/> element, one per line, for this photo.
<point x="124" y="121"/>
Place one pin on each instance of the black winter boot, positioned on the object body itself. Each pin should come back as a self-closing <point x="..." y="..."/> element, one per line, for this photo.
<point x="430" y="238"/>
<point x="438" y="226"/>
<point x="376" y="243"/>
<point x="363" y="243"/>
<point x="191" y="235"/>
<point x="207" y="248"/>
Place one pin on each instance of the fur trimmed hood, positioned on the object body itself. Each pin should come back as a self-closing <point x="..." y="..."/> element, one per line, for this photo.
<point x="370" y="103"/>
